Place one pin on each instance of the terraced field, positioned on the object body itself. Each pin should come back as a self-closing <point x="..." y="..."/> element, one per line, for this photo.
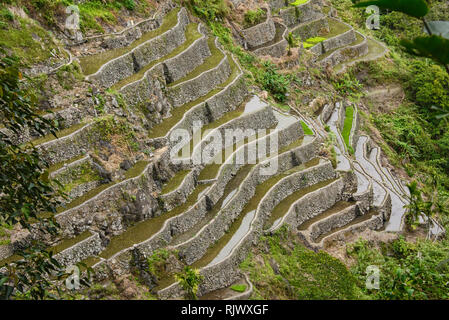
<point x="209" y="208"/>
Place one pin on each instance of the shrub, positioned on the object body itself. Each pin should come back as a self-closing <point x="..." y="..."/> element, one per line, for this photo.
<point x="254" y="17"/>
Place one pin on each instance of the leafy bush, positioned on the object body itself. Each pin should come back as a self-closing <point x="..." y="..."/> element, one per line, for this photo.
<point x="407" y="270"/>
<point x="209" y="10"/>
<point x="254" y="17"/>
<point x="190" y="279"/>
<point x="274" y="82"/>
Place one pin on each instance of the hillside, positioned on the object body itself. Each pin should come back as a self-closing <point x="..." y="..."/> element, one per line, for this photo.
<point x="222" y="150"/>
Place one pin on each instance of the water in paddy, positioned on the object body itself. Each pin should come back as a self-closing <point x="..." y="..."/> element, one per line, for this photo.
<point x="357" y="220"/>
<point x="144" y="230"/>
<point x="338" y="207"/>
<point x="343" y="163"/>
<point x="241" y="231"/>
<point x="369" y="168"/>
<point x="362" y="181"/>
<point x="240" y="227"/>
<point x="229" y="192"/>
<point x="284" y="206"/>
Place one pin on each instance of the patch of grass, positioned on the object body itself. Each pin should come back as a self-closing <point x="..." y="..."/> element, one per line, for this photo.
<point x="346" y="132"/>
<point x="254" y="17"/>
<point x="307" y="130"/>
<point x="27" y="40"/>
<point x="239" y="287"/>
<point x="303" y="274"/>
<point x="298" y="2"/>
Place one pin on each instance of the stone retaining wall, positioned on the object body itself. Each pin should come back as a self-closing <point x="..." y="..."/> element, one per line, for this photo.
<point x="195" y="88"/>
<point x="210" y="110"/>
<point x="106" y="214"/>
<point x="293" y="15"/>
<point x="67" y="147"/>
<point x="153" y="49"/>
<point x="341" y="40"/>
<point x="260" y="119"/>
<point x="311" y="28"/>
<point x="224" y="273"/>
<point x="180" y="195"/>
<point x="187" y="220"/>
<point x="80" y="251"/>
<point x="346" y="53"/>
<point x="278" y="49"/>
<point x="259" y="34"/>
<point x="335" y="221"/>
<point x="167" y="71"/>
<point x="312" y="204"/>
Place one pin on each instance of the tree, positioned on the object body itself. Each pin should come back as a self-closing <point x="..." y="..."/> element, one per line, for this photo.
<point x="423" y="203"/>
<point x="23" y="192"/>
<point x="292" y="41"/>
<point x="190" y="280"/>
<point x="431" y="46"/>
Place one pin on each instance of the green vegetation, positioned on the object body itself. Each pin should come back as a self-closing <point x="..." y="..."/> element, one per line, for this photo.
<point x="407" y="270"/>
<point x="25" y="39"/>
<point x="298" y="2"/>
<point x="239" y="287"/>
<point x="24" y="194"/>
<point x="93" y="13"/>
<point x="287" y="270"/>
<point x="307" y="130"/>
<point x="346" y="132"/>
<point x="190" y="279"/>
<point x="254" y="17"/>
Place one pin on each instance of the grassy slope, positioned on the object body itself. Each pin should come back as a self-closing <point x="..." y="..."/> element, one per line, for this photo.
<point x="303" y="274"/>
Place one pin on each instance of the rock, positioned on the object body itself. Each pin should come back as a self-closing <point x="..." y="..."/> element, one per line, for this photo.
<point x="275" y="266"/>
<point x="126" y="165"/>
